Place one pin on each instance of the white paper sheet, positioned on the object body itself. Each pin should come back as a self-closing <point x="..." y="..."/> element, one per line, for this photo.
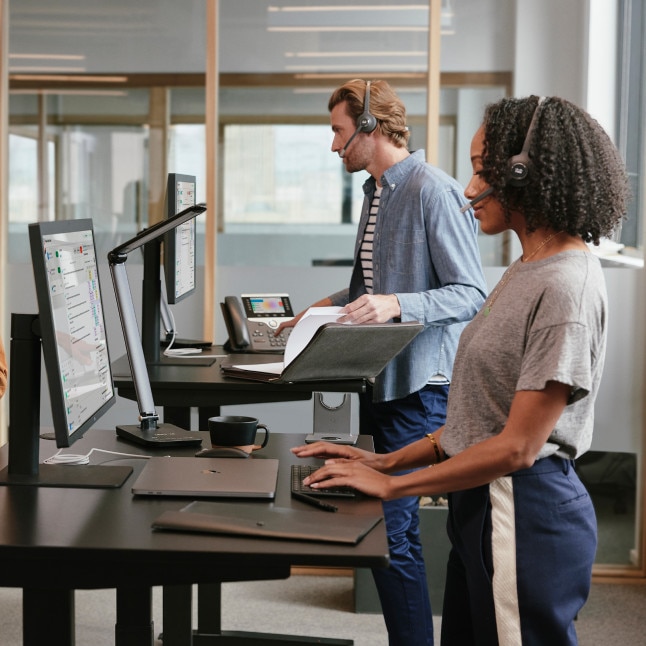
<point x="300" y="336"/>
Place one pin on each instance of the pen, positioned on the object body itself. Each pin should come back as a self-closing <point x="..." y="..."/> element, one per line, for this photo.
<point x="315" y="502"/>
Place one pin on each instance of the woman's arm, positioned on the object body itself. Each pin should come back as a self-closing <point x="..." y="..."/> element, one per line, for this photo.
<point x="531" y="419"/>
<point x="417" y="454"/>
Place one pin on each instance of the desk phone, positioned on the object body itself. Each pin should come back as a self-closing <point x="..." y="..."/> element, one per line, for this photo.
<point x="252" y="320"/>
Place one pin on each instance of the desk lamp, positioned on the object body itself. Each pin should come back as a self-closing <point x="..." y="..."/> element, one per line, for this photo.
<point x="149" y="431"/>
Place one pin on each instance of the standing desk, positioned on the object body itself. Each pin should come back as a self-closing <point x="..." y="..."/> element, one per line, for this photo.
<point x="56" y="540"/>
<point x="179" y="384"/>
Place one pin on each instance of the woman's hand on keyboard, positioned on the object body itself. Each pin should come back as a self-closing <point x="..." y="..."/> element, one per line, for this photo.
<point x="332" y="453"/>
<point x="352" y="473"/>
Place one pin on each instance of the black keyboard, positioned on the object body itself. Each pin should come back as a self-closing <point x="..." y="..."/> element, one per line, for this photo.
<point x="301" y="471"/>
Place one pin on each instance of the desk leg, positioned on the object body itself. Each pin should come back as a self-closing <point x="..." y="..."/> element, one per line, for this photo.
<point x="209" y="632"/>
<point x="134" y="625"/>
<point x="178" y="616"/>
<point x="47" y="614"/>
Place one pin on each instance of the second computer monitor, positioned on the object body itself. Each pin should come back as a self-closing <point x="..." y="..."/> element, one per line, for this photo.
<point x="179" y="252"/>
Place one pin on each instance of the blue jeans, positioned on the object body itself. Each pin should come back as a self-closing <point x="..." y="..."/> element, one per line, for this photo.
<point x="402" y="588"/>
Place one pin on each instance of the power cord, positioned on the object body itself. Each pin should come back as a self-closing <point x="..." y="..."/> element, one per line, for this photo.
<point x="185" y="353"/>
<point x="75" y="458"/>
<point x="178" y="352"/>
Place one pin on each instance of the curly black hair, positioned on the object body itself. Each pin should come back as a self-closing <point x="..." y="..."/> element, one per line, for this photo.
<point x="577" y="181"/>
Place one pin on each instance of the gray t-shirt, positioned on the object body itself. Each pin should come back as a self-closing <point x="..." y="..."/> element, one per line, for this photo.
<point x="547" y="323"/>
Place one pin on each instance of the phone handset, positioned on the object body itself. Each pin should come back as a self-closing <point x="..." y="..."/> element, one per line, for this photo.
<point x="236" y="323"/>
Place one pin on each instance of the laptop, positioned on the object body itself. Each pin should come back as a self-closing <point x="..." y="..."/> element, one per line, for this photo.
<point x="208" y="477"/>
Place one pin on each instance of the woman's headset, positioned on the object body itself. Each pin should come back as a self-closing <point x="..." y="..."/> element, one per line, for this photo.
<point x="520" y="165"/>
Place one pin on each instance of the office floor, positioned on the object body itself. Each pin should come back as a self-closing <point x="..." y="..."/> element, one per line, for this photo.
<point x="322" y="606"/>
<point x="304" y="605"/>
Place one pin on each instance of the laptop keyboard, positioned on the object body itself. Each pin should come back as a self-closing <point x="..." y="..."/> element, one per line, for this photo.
<point x="301" y="471"/>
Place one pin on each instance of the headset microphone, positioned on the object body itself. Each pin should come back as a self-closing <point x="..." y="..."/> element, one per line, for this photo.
<point x="347" y="143"/>
<point x="476" y="199"/>
<point x="365" y="123"/>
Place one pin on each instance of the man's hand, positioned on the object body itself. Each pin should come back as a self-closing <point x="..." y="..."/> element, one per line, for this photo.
<point x="324" y="302"/>
<point x="372" y="308"/>
<point x="286" y="324"/>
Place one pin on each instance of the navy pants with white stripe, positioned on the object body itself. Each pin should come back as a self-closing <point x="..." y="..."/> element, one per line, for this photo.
<point x="521" y="560"/>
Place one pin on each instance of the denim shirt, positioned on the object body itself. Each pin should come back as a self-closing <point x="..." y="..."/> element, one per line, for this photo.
<point x="426" y="253"/>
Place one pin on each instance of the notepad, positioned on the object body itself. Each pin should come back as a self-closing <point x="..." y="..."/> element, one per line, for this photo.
<point x="261" y="520"/>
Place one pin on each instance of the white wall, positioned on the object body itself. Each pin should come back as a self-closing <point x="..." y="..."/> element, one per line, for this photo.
<point x="550" y="47"/>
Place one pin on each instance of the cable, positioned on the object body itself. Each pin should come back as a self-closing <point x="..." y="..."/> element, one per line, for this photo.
<point x="75" y="458"/>
<point x="178" y="352"/>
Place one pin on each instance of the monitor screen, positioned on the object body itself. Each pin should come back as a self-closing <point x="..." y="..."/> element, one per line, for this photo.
<point x="179" y="252"/>
<point x="72" y="325"/>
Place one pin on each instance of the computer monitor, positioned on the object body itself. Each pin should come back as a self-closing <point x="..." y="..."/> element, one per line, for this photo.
<point x="179" y="259"/>
<point x="179" y="245"/>
<point x="179" y="254"/>
<point x="70" y="326"/>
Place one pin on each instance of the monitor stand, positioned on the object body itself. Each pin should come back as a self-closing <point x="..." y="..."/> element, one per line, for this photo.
<point x="24" y="423"/>
<point x="78" y="476"/>
<point x="185" y="343"/>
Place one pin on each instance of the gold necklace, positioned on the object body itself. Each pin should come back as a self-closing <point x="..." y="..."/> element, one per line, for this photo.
<point x="510" y="272"/>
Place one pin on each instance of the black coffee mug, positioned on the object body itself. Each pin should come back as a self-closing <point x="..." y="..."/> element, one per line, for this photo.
<point x="237" y="431"/>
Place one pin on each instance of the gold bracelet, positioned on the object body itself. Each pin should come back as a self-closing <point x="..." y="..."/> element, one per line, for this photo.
<point x="436" y="448"/>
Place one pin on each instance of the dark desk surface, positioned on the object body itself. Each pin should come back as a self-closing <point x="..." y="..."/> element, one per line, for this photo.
<point x="175" y="380"/>
<point x="101" y="538"/>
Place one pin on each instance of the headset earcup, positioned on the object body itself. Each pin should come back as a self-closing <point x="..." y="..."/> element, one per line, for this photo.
<point x="367" y="122"/>
<point x="518" y="171"/>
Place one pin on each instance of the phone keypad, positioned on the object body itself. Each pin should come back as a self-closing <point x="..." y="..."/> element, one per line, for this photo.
<point x="263" y="337"/>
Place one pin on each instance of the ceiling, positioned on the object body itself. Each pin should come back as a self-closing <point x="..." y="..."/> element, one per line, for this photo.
<point x="259" y="36"/>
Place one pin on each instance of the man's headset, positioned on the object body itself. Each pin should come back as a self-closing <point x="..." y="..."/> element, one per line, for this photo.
<point x="519" y="166"/>
<point x="366" y="121"/>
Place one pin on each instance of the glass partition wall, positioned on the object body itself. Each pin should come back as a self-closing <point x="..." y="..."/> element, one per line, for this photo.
<point x="113" y="130"/>
<point x="95" y="136"/>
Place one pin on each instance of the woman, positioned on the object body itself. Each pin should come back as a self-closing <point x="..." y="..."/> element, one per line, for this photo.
<point x="527" y="371"/>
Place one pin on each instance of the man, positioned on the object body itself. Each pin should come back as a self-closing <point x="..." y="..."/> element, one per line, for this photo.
<point x="416" y="259"/>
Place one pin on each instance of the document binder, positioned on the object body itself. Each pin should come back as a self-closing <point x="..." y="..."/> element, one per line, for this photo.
<point x="336" y="351"/>
<point x="262" y="521"/>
